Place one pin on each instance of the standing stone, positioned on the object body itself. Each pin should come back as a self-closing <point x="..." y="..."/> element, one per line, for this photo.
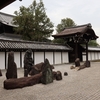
<point x="0" y="73"/>
<point x="12" y="68"/>
<point x="28" y="62"/>
<point x="47" y="74"/>
<point x="77" y="62"/>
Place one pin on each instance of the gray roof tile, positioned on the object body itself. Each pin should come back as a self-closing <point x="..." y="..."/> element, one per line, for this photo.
<point x="9" y="44"/>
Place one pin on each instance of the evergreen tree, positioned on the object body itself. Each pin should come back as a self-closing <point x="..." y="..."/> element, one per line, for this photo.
<point x="93" y="43"/>
<point x="33" y="23"/>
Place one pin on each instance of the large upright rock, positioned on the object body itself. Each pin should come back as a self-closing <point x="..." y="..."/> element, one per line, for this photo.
<point x="12" y="68"/>
<point x="77" y="62"/>
<point x="47" y="74"/>
<point x="28" y="62"/>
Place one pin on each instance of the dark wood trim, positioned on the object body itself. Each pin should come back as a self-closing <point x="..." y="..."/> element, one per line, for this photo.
<point x="61" y="58"/>
<point x="44" y="56"/>
<point x="87" y="51"/>
<point x="33" y="57"/>
<point x="4" y="3"/>
<point x="5" y="60"/>
<point x="76" y="50"/>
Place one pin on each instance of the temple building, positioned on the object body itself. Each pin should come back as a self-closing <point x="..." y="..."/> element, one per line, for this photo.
<point x="55" y="53"/>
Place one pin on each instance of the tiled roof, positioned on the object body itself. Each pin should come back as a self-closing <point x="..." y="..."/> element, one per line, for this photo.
<point x="80" y="30"/>
<point x="8" y="44"/>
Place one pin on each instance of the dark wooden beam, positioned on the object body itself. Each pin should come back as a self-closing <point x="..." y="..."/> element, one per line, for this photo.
<point x="86" y="51"/>
<point x="4" y="3"/>
<point x="87" y="63"/>
<point x="76" y="50"/>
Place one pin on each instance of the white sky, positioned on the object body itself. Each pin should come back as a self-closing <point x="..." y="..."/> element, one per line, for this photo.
<point x="80" y="11"/>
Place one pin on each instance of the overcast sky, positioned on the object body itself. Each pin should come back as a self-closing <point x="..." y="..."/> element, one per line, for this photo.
<point x="80" y="11"/>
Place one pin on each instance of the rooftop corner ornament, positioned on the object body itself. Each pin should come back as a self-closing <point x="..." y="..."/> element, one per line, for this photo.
<point x="78" y="35"/>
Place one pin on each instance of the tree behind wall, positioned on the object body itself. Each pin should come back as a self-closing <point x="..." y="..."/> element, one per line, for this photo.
<point x="33" y="23"/>
<point x="93" y="43"/>
<point x="65" y="23"/>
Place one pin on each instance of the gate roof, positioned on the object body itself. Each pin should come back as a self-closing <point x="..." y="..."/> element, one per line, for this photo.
<point x="79" y="32"/>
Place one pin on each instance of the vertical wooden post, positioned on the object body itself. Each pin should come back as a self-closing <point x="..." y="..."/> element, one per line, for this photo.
<point x="86" y="51"/>
<point x="5" y="59"/>
<point x="76" y="50"/>
<point x="87" y="64"/>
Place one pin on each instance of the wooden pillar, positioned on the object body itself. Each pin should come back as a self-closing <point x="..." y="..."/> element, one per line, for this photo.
<point x="87" y="64"/>
<point x="86" y="51"/>
<point x="5" y="59"/>
<point x="76" y="50"/>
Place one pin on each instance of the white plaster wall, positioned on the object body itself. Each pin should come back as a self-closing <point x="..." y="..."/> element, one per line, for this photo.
<point x="2" y="60"/>
<point x="38" y="57"/>
<point x="49" y="56"/>
<point x="7" y="59"/>
<point x="96" y="57"/>
<point x="23" y="53"/>
<point x="57" y="57"/>
<point x="84" y="56"/>
<point x="99" y="55"/>
<point x="92" y="55"/>
<point x="17" y="59"/>
<point x="65" y="57"/>
<point x="89" y="55"/>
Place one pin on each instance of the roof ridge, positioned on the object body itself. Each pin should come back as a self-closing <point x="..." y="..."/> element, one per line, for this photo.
<point x="89" y="24"/>
<point x="35" y="42"/>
